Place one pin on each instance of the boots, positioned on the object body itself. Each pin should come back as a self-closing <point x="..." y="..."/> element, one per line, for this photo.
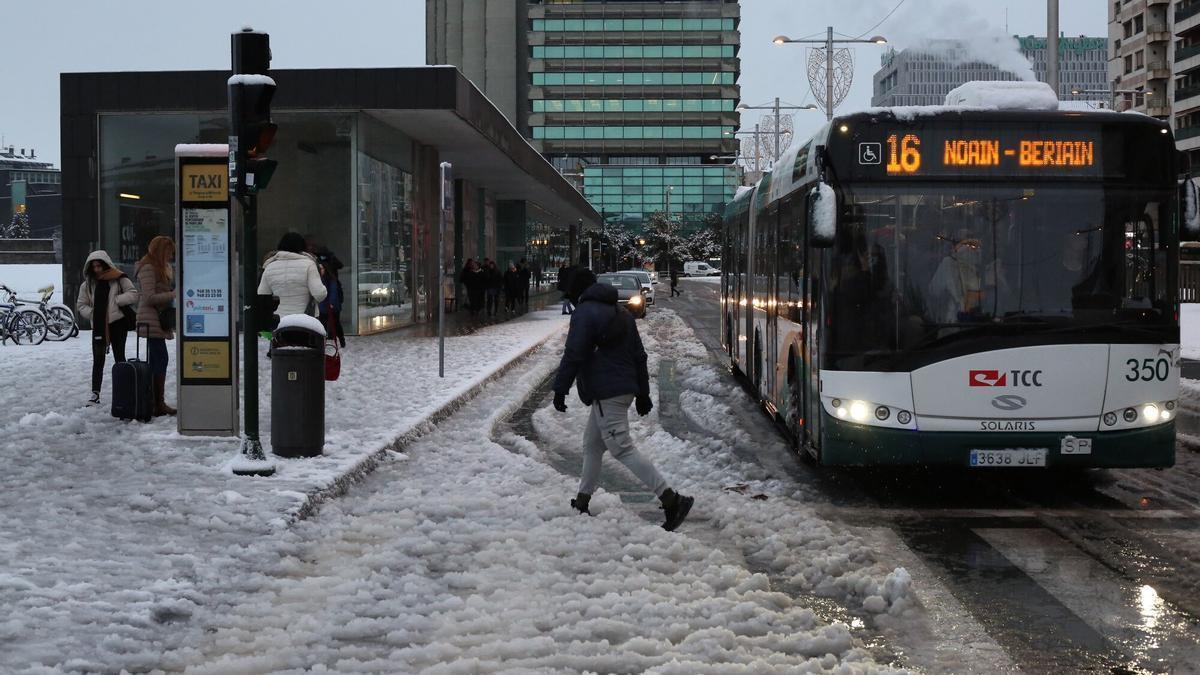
<point x="160" y="394"/>
<point x="580" y="503"/>
<point x="675" y="508"/>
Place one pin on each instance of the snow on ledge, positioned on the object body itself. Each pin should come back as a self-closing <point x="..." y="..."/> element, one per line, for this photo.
<point x="1004" y="95"/>
<point x="250" y="79"/>
<point x="201" y="150"/>
<point x="302" y="321"/>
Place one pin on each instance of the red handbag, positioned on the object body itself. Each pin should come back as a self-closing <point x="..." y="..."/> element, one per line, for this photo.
<point x="333" y="360"/>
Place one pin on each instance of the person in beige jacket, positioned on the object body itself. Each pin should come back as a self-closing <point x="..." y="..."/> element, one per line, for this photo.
<point x="104" y="291"/>
<point x="291" y="275"/>
<point x="157" y="283"/>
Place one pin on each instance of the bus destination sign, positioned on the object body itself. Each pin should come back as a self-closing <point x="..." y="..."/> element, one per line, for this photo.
<point x="951" y="152"/>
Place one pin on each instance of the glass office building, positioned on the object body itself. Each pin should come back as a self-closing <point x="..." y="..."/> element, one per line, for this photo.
<point x="638" y="100"/>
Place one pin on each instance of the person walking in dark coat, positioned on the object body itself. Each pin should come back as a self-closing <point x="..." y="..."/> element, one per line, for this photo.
<point x="526" y="275"/>
<point x="473" y="280"/>
<point x="330" y="308"/>
<point x="564" y="285"/>
<point x="512" y="288"/>
<point x="675" y="283"/>
<point x="605" y="360"/>
<point x="493" y="283"/>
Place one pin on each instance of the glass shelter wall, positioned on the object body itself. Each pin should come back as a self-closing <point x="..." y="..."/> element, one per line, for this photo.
<point x="310" y="192"/>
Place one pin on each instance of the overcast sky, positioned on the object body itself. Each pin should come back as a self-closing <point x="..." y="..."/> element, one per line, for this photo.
<point x="46" y="37"/>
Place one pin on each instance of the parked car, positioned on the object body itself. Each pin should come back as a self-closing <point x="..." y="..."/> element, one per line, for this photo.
<point x="696" y="268"/>
<point x="629" y="291"/>
<point x="645" y="280"/>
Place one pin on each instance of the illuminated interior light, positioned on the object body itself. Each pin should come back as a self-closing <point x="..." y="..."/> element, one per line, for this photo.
<point x="858" y="411"/>
<point x="126" y="195"/>
<point x="844" y="128"/>
<point x="1150" y="412"/>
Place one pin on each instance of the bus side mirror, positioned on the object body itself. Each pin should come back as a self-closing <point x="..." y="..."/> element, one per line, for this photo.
<point x="822" y="216"/>
<point x="1189" y="210"/>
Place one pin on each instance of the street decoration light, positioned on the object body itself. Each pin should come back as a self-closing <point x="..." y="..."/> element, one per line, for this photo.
<point x="777" y="131"/>
<point x="837" y="69"/>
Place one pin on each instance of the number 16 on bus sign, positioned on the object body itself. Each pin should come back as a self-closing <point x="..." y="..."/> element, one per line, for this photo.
<point x="904" y="153"/>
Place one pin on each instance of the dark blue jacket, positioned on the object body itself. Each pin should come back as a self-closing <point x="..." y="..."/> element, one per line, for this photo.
<point x="602" y="371"/>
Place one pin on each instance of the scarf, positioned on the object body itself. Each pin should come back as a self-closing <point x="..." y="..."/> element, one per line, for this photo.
<point x="100" y="297"/>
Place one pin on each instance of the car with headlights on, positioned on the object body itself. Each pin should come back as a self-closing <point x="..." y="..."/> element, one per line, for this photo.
<point x="629" y="291"/>
<point x="645" y="280"/>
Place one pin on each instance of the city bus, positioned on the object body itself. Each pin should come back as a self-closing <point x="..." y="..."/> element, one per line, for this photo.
<point x="953" y="286"/>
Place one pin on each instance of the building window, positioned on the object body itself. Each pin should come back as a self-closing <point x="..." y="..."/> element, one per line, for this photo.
<point x="631" y="79"/>
<point x="632" y="25"/>
<point x="633" y="51"/>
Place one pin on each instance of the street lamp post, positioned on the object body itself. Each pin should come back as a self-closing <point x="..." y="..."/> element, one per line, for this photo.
<point x="829" y="42"/>
<point x="670" y="226"/>
<point x="776" y="107"/>
<point x="1112" y="93"/>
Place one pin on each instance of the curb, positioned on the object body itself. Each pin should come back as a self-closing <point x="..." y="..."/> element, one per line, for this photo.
<point x="314" y="499"/>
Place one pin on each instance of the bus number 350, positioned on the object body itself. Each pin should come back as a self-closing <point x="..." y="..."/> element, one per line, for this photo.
<point x="1148" y="370"/>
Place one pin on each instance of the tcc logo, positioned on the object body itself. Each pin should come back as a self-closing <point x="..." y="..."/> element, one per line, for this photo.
<point x="997" y="378"/>
<point x="986" y="378"/>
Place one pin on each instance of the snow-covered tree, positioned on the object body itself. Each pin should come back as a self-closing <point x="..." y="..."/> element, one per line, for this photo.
<point x="17" y="228"/>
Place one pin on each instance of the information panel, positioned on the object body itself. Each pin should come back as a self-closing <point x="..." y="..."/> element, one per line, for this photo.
<point x="206" y="342"/>
<point x="205" y="288"/>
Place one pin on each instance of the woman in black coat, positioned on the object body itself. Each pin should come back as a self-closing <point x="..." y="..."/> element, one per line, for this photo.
<point x="473" y="278"/>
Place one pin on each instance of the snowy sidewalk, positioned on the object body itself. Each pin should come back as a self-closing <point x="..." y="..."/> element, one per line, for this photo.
<point x="108" y="527"/>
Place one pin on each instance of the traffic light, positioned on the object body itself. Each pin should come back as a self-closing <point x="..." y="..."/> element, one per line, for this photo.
<point x="251" y="128"/>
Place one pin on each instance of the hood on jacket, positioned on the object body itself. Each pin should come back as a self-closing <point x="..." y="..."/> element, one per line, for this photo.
<point x="287" y="255"/>
<point x="102" y="256"/>
<point x="600" y="293"/>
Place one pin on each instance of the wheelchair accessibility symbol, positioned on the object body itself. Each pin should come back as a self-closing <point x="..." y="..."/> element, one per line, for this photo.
<point x="870" y="153"/>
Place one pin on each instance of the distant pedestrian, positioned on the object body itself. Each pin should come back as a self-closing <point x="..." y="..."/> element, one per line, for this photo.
<point x="330" y="308"/>
<point x="675" y="283"/>
<point x="103" y="297"/>
<point x="512" y="288"/>
<point x="156" y="282"/>
<point x="605" y="359"/>
<point x="526" y="275"/>
<point x="291" y="275"/>
<point x="473" y="280"/>
<point x="564" y="281"/>
<point x="493" y="284"/>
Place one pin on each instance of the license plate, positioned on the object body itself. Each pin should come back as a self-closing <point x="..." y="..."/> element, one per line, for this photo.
<point x="1025" y="457"/>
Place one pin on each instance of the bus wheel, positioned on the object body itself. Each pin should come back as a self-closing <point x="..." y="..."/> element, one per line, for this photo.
<point x="792" y="412"/>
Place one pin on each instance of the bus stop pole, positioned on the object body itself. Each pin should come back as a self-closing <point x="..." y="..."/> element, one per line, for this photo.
<point x="446" y="196"/>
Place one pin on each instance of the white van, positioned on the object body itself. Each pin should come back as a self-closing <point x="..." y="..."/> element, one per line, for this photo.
<point x="695" y="268"/>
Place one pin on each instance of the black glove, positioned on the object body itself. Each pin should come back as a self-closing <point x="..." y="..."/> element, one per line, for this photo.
<point x="643" y="404"/>
<point x="560" y="402"/>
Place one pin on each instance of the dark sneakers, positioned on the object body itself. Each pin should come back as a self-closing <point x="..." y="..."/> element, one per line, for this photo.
<point x="675" y="508"/>
<point x="580" y="503"/>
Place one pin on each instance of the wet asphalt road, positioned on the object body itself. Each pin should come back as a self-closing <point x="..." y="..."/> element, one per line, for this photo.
<point x="1092" y="571"/>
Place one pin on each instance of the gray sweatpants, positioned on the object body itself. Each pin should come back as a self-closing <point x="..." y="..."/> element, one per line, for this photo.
<point x="608" y="429"/>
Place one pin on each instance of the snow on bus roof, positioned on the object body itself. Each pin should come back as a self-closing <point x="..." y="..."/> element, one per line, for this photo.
<point x="1004" y="95"/>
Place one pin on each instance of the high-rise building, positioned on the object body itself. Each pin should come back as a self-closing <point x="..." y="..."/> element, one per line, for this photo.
<point x="1185" y="80"/>
<point x="923" y="76"/>
<point x="635" y="100"/>
<point x="640" y="98"/>
<point x="487" y="40"/>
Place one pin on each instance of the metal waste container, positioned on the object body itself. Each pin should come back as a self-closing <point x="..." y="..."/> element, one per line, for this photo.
<point x="298" y="387"/>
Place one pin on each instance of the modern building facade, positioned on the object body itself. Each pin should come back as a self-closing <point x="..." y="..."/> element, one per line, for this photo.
<point x="359" y="153"/>
<point x="634" y="101"/>
<point x="924" y="76"/>
<point x="1184" y="85"/>
<point x="638" y="98"/>
<point x="488" y="41"/>
<point x="30" y="195"/>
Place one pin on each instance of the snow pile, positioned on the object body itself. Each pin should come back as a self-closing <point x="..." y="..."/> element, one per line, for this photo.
<point x="304" y="321"/>
<point x="1004" y="95"/>
<point x="114" y="533"/>
<point x="466" y="557"/>
<point x="825" y="211"/>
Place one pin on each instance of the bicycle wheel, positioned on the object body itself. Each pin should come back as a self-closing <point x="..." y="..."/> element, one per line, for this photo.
<point x="28" y="327"/>
<point x="60" y="324"/>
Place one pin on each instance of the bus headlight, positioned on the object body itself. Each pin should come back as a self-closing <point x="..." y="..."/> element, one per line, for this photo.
<point x="858" y="411"/>
<point x="1149" y="413"/>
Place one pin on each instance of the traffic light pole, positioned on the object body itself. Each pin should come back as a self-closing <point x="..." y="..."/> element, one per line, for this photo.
<point x="252" y="448"/>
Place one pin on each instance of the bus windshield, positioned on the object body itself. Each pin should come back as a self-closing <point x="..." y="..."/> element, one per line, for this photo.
<point x="931" y="271"/>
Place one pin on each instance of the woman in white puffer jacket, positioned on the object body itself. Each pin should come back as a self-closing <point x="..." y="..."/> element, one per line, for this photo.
<point x="292" y="276"/>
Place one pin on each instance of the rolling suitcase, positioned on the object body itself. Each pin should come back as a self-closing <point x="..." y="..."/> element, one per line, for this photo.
<point x="133" y="385"/>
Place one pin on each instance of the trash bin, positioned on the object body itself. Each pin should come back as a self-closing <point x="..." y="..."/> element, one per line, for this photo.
<point x="298" y="387"/>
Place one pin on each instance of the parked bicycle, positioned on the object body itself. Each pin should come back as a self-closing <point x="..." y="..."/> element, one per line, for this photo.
<point x="22" y="326"/>
<point x="60" y="320"/>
